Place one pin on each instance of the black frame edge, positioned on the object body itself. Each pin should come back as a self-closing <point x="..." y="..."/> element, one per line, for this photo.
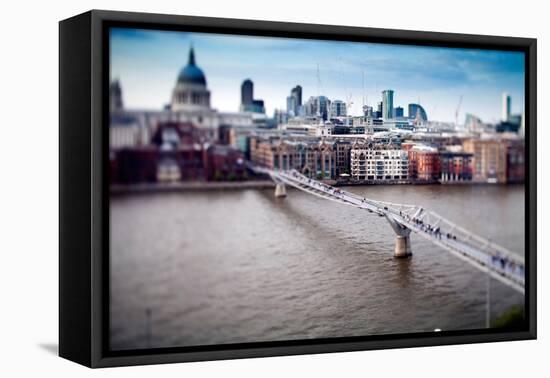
<point x="75" y="272"/>
<point x="531" y="180"/>
<point x="320" y="348"/>
<point x="264" y="27"/>
<point x="99" y="164"/>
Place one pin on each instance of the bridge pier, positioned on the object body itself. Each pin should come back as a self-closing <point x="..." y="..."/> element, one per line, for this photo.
<point x="402" y="240"/>
<point x="402" y="246"/>
<point x="280" y="190"/>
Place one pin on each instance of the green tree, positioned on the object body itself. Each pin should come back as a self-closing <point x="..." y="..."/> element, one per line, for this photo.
<point x="513" y="318"/>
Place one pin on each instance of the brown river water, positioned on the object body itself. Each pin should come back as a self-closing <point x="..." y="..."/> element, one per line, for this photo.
<point x="238" y="266"/>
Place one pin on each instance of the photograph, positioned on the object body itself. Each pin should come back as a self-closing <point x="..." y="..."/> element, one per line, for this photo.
<point x="277" y="189"/>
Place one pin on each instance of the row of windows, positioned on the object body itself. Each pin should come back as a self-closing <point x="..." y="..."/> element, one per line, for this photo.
<point x="380" y="174"/>
<point x="381" y="177"/>
<point x="380" y="162"/>
<point x="394" y="157"/>
<point x="377" y="153"/>
<point x="287" y="164"/>
<point x="380" y="169"/>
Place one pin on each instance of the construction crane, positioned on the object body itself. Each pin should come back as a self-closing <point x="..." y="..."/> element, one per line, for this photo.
<point x="457" y="111"/>
<point x="318" y="94"/>
<point x="364" y="95"/>
<point x="349" y="104"/>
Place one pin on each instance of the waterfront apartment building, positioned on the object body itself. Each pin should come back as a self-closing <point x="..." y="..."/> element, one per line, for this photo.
<point x="342" y="154"/>
<point x="378" y="163"/>
<point x="315" y="159"/>
<point x="489" y="159"/>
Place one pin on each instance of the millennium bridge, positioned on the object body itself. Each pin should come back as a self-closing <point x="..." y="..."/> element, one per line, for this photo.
<point x="497" y="261"/>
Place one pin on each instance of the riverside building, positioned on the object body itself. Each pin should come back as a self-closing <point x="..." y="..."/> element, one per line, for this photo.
<point x="489" y="159"/>
<point x="424" y="163"/>
<point x="378" y="164"/>
<point x="456" y="166"/>
<point x="313" y="158"/>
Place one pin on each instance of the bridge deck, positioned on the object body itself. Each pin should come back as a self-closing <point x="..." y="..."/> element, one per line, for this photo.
<point x="500" y="263"/>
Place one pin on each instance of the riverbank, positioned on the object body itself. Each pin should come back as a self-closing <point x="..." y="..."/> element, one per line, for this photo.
<point x="263" y="184"/>
<point x="422" y="183"/>
<point x="190" y="186"/>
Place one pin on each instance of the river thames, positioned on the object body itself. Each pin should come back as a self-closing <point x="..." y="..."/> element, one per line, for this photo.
<point x="214" y="267"/>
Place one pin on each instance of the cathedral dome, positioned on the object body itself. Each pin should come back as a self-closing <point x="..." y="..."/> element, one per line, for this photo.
<point x="190" y="93"/>
<point x="191" y="73"/>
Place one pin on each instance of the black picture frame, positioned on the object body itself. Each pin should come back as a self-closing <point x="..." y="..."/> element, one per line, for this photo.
<point x="84" y="200"/>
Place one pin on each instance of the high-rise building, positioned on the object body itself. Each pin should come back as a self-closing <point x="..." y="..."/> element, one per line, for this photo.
<point x="316" y="107"/>
<point x="294" y="101"/>
<point x="417" y="111"/>
<point x="291" y="105"/>
<point x="296" y="92"/>
<point x="378" y="113"/>
<point x="473" y="123"/>
<point x="398" y="112"/>
<point x="387" y="104"/>
<point x="248" y="103"/>
<point x="368" y="111"/>
<point x="506" y="107"/>
<point x="323" y="107"/>
<point x="338" y="108"/>
<point x="258" y="106"/>
<point x="247" y="92"/>
<point x="280" y="117"/>
<point x="115" y="96"/>
<point x="310" y="106"/>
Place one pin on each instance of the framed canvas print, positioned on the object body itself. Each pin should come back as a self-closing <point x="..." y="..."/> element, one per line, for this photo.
<point x="235" y="188"/>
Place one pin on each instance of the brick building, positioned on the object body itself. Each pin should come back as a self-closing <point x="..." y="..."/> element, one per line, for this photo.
<point x="456" y="166"/>
<point x="424" y="164"/>
<point x="489" y="159"/>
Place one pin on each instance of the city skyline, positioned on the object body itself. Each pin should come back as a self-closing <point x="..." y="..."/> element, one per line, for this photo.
<point x="147" y="63"/>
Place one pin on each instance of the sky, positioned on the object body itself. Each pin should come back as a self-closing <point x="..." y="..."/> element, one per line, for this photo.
<point x="147" y="63"/>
